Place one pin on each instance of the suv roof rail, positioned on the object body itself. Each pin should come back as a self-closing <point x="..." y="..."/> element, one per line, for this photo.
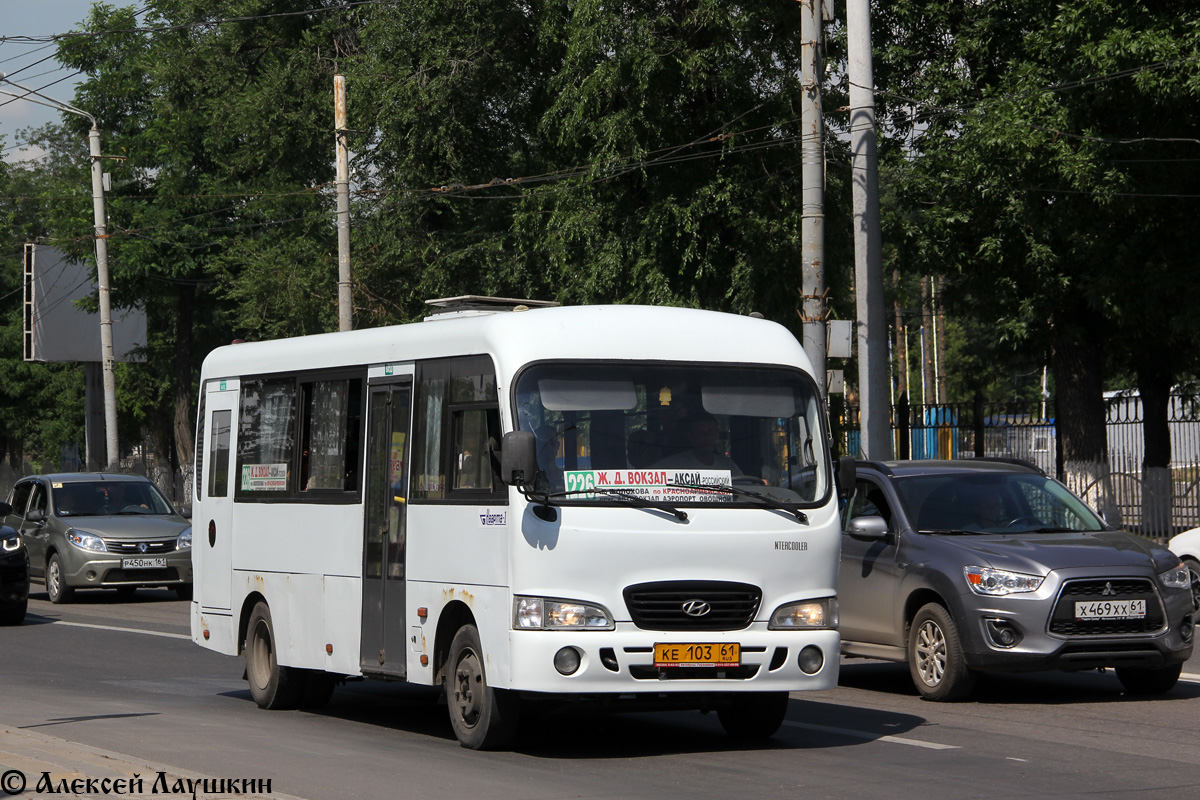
<point x="1020" y="462"/>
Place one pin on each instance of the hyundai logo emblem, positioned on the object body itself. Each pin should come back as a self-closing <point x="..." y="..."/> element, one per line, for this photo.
<point x="141" y="547"/>
<point x="696" y="608"/>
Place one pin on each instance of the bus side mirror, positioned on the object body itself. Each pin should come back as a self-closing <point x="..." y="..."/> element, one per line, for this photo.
<point x="518" y="458"/>
<point x="847" y="473"/>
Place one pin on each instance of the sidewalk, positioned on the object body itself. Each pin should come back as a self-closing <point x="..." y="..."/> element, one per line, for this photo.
<point x="27" y="757"/>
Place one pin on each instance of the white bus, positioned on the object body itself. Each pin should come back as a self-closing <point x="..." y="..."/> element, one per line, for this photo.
<point x="527" y="505"/>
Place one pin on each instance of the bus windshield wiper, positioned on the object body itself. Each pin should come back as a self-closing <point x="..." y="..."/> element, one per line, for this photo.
<point x="631" y="499"/>
<point x="761" y="499"/>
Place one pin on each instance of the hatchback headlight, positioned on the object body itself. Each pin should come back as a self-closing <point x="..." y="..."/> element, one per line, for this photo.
<point x="1176" y="578"/>
<point x="985" y="580"/>
<point x="10" y="544"/>
<point x="541" y="614"/>
<point x="86" y="541"/>
<point x="184" y="542"/>
<point x="808" y="615"/>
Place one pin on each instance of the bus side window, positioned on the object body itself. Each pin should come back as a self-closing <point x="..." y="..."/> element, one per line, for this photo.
<point x="218" y="458"/>
<point x="329" y="434"/>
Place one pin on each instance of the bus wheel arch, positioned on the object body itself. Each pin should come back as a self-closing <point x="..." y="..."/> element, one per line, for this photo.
<point x="252" y="599"/>
<point x="454" y="616"/>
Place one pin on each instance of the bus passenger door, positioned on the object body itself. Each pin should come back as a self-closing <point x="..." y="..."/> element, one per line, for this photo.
<point x="388" y="442"/>
<point x="212" y="529"/>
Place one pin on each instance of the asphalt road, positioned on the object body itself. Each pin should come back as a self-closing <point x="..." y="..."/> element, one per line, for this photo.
<point x="125" y="677"/>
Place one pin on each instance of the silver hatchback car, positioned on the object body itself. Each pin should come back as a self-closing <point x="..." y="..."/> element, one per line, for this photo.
<point x="103" y="531"/>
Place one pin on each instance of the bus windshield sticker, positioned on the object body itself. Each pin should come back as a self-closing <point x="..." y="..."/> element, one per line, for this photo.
<point x="652" y="484"/>
<point x="264" y="477"/>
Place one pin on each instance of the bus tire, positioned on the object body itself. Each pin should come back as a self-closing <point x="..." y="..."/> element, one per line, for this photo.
<point x="754" y="716"/>
<point x="483" y="718"/>
<point x="271" y="685"/>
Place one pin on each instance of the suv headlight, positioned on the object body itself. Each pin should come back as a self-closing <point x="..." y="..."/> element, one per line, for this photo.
<point x="184" y="542"/>
<point x="985" y="580"/>
<point x="10" y="544"/>
<point x="86" y="541"/>
<point x="544" y="614"/>
<point x="1176" y="578"/>
<point x="807" y="615"/>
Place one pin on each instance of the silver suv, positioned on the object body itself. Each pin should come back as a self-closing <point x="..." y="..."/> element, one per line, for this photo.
<point x="959" y="567"/>
<point x="99" y="530"/>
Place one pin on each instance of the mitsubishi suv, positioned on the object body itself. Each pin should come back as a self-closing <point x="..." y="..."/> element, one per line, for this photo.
<point x="962" y="567"/>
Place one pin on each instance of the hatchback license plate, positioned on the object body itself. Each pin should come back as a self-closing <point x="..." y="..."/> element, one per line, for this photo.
<point x="697" y="655"/>
<point x="1111" y="609"/>
<point x="142" y="563"/>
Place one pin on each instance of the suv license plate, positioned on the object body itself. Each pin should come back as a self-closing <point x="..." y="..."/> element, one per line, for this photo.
<point x="727" y="654"/>
<point x="142" y="563"/>
<point x="1111" y="609"/>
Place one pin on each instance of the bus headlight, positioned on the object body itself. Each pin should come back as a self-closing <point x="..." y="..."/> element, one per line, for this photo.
<point x="807" y="615"/>
<point x="544" y="614"/>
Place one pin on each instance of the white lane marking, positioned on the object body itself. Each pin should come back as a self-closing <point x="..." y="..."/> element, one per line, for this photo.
<point x="1190" y="677"/>
<point x="1022" y="760"/>
<point x="871" y="736"/>
<point x="123" y="630"/>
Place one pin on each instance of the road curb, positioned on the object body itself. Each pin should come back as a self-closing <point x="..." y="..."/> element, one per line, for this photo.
<point x="36" y="755"/>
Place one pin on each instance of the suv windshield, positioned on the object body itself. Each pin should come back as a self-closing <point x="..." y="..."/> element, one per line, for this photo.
<point x="105" y="498"/>
<point x="993" y="503"/>
<point x="649" y="429"/>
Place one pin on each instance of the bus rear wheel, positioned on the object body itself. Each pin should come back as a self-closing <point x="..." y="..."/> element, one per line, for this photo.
<point x="271" y="685"/>
<point x="483" y="718"/>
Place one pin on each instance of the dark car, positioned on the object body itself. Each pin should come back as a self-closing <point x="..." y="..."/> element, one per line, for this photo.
<point x="103" y="531"/>
<point x="960" y="567"/>
<point x="14" y="574"/>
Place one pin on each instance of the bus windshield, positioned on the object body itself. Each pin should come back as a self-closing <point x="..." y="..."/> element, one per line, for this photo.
<point x="645" y="428"/>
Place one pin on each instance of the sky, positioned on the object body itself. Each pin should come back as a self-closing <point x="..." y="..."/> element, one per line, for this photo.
<point x="17" y="58"/>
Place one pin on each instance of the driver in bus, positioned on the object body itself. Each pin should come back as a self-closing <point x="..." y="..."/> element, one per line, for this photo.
<point x="703" y="436"/>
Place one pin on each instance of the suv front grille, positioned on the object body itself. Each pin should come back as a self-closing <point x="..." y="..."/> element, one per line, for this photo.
<point x="124" y="546"/>
<point x="659" y="606"/>
<point x="1064" y="623"/>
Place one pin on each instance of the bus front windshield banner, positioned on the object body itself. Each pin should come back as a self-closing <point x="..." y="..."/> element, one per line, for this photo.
<point x="663" y="432"/>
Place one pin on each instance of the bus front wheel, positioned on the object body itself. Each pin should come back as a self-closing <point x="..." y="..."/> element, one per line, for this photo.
<point x="271" y="685"/>
<point x="483" y="718"/>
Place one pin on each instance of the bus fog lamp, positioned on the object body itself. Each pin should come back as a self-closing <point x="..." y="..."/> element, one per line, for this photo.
<point x="811" y="660"/>
<point x="567" y="661"/>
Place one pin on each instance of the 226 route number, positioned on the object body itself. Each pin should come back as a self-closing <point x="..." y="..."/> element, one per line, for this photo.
<point x="697" y="655"/>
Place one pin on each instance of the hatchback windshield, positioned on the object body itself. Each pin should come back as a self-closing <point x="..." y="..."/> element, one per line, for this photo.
<point x="104" y="498"/>
<point x="993" y="503"/>
<point x="650" y="429"/>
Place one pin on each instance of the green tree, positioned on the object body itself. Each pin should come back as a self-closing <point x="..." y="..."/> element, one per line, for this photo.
<point x="1035" y="138"/>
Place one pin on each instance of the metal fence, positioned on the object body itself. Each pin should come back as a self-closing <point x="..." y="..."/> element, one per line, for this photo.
<point x="1024" y="431"/>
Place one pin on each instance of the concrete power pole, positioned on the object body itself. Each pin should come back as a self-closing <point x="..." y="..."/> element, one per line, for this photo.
<point x="873" y="380"/>
<point x="107" y="358"/>
<point x="345" y="301"/>
<point x="812" y="233"/>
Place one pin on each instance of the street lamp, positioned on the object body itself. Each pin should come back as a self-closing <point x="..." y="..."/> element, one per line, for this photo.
<point x="106" y="337"/>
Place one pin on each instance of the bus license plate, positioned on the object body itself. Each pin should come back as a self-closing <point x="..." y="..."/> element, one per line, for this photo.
<point x="1111" y="609"/>
<point x="142" y="563"/>
<point x="697" y="655"/>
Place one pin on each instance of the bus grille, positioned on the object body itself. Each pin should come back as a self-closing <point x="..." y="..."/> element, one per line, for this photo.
<point x="1063" y="621"/>
<point x="660" y="606"/>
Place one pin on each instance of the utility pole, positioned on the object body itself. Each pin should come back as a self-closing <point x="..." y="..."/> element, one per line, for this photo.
<point x="107" y="358"/>
<point x="345" y="300"/>
<point x="812" y="225"/>
<point x="873" y="382"/>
